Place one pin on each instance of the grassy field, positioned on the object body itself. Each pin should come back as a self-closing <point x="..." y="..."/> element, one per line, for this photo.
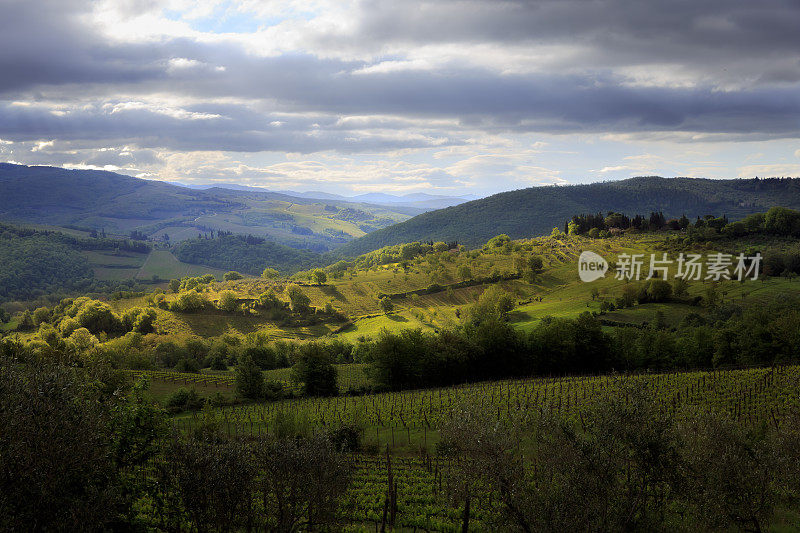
<point x="110" y="265"/>
<point x="163" y="264"/>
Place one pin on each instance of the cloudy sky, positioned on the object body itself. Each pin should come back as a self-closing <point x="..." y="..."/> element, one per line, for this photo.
<point x="446" y="97"/>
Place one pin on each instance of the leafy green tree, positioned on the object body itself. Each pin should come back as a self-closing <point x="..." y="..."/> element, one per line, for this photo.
<point x="174" y="285"/>
<point x="41" y="315"/>
<point x="83" y="340"/>
<point x="782" y="221"/>
<point x="299" y="301"/>
<point x="67" y="326"/>
<point x="98" y="317"/>
<point x="680" y="287"/>
<point x="498" y="241"/>
<point x="493" y="304"/>
<point x="232" y="276"/>
<point x="139" y="320"/>
<point x="270" y="273"/>
<point x="249" y="379"/>
<point x="26" y="321"/>
<point x="138" y="426"/>
<point x="58" y="471"/>
<point x="573" y="228"/>
<point x="658" y="290"/>
<point x="319" y="276"/>
<point x="386" y="304"/>
<point x="269" y="300"/>
<point x="190" y="302"/>
<point x="315" y="371"/>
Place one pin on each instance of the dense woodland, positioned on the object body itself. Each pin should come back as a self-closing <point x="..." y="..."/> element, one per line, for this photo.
<point x="535" y="211"/>
<point x="38" y="263"/>
<point x="245" y="253"/>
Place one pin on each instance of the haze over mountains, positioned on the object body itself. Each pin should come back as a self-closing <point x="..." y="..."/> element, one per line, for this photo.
<point x="419" y="200"/>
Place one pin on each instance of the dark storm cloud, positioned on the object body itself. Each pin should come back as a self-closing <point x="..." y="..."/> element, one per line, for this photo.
<point x="239" y="130"/>
<point x="686" y="31"/>
<point x="49" y="43"/>
<point x="48" y="53"/>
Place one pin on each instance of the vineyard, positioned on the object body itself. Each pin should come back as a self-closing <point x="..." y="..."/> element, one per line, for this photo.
<point x="418" y="495"/>
<point x="185" y="378"/>
<point x="404" y="487"/>
<point x="405" y="417"/>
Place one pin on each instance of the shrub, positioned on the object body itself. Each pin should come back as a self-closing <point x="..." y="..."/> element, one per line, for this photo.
<point x="184" y="399"/>
<point x="190" y="302"/>
<point x="386" y="304"/>
<point x="228" y="301"/>
<point x="187" y="365"/>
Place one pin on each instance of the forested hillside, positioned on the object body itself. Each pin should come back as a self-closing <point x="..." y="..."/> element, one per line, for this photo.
<point x="34" y="263"/>
<point x="245" y="253"/>
<point x="536" y="210"/>
<point x="121" y="205"/>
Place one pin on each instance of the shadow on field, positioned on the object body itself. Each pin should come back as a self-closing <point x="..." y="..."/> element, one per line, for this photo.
<point x="333" y="292"/>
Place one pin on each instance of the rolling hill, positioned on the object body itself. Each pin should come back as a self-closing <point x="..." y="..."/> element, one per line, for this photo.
<point x="536" y="210"/>
<point x="118" y="204"/>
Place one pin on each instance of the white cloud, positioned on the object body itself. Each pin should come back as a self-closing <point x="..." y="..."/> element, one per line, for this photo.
<point x="42" y="145"/>
<point x="779" y="169"/>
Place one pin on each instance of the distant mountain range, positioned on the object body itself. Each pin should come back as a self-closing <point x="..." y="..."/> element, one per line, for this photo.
<point x="418" y="200"/>
<point x="354" y="225"/>
<point x="121" y="204"/>
<point x="536" y="210"/>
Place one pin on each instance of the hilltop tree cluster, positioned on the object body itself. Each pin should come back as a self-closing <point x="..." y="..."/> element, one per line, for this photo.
<point x="779" y="221"/>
